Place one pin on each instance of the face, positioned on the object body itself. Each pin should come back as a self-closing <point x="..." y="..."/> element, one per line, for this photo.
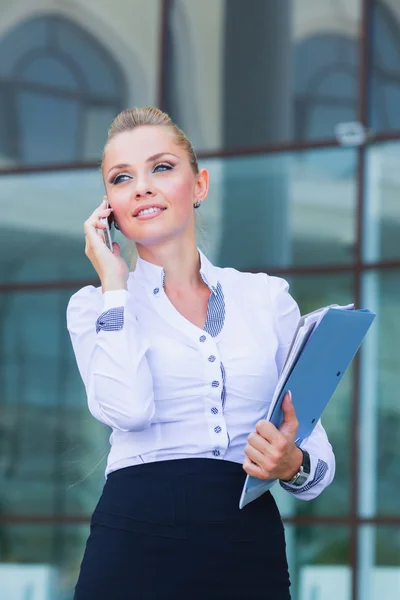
<point x="151" y="185"/>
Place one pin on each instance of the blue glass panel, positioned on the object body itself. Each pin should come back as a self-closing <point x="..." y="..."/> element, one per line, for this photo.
<point x="49" y="128"/>
<point x="53" y="451"/>
<point x="42" y="233"/>
<point x="50" y="71"/>
<point x="385" y="80"/>
<point x="99" y="69"/>
<point x="282" y="209"/>
<point x="19" y="42"/>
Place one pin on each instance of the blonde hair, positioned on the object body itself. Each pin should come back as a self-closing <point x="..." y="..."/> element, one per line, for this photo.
<point x="129" y="119"/>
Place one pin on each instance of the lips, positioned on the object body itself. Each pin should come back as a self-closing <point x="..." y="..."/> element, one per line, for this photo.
<point x="139" y="209"/>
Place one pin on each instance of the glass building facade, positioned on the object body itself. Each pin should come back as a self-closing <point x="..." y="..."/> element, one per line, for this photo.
<point x="293" y="106"/>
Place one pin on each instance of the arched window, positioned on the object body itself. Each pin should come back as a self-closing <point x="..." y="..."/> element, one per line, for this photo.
<point x="59" y="90"/>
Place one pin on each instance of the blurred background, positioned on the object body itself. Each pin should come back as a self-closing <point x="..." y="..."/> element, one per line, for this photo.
<point x="294" y="107"/>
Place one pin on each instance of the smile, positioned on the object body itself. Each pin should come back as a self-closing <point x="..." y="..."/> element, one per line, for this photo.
<point x="149" y="213"/>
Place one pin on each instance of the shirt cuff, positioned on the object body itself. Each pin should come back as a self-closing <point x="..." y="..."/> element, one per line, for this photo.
<point x="115" y="299"/>
<point x="112" y="317"/>
<point x="111" y="320"/>
<point x="319" y="469"/>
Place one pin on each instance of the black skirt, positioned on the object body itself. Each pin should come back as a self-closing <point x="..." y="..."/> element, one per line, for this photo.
<point x="172" y="530"/>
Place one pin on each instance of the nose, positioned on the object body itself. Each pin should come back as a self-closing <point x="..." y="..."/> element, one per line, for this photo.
<point x="143" y="188"/>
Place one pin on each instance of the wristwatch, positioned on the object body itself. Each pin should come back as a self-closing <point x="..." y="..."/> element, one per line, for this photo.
<point x="302" y="475"/>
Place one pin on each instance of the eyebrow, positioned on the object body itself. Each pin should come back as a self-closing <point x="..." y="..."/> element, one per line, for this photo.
<point x="150" y="159"/>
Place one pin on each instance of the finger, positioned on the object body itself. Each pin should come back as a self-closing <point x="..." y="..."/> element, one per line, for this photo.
<point x="94" y="224"/>
<point x="94" y="235"/>
<point x="116" y="249"/>
<point x="252" y="469"/>
<point x="254" y="455"/>
<point x="103" y="213"/>
<point x="257" y="441"/>
<point x="268" y="431"/>
<point x="290" y="423"/>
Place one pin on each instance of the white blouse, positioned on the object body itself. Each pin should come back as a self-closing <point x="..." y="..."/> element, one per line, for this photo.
<point x="171" y="390"/>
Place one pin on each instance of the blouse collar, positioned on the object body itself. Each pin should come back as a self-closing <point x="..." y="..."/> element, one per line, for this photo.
<point x="154" y="275"/>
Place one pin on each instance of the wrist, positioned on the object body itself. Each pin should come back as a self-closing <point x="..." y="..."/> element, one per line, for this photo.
<point x="296" y="462"/>
<point x="113" y="285"/>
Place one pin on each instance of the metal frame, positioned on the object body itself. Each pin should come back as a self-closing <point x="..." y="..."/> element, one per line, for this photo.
<point x="358" y="268"/>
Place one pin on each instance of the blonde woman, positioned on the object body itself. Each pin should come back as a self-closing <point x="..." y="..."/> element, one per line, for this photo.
<point x="180" y="359"/>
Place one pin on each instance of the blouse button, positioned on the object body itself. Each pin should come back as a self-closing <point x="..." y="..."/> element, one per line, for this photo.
<point x="215" y="384"/>
<point x="211" y="358"/>
<point x="216" y="452"/>
<point x="156" y="290"/>
<point x="214" y="410"/>
<point x="217" y="429"/>
<point x="202" y="338"/>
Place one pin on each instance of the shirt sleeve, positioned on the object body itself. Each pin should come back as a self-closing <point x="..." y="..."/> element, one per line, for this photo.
<point x="322" y="460"/>
<point x="111" y="355"/>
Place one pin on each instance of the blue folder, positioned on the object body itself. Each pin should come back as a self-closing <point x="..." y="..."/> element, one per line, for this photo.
<point x="314" y="378"/>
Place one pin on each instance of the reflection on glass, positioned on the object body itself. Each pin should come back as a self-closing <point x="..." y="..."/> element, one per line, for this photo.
<point x="380" y="438"/>
<point x="379" y="569"/>
<point x="382" y="206"/>
<point x="312" y="292"/>
<point x="42" y="233"/>
<point x="281" y="210"/>
<point x="319" y="562"/>
<point x="385" y="80"/>
<point x="52" y="450"/>
<point x="308" y="87"/>
<point x="63" y="78"/>
<point x="43" y="559"/>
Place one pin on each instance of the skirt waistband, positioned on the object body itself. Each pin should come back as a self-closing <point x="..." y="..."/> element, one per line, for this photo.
<point x="182" y="466"/>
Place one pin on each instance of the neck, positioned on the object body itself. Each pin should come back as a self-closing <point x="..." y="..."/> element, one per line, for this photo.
<point x="180" y="261"/>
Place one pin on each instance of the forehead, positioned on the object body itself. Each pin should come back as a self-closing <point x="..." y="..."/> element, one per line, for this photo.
<point x="136" y="146"/>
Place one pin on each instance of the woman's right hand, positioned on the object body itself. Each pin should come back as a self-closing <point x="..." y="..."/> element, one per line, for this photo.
<point x="110" y="266"/>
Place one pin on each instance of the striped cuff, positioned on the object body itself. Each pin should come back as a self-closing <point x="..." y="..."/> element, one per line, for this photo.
<point x="111" y="320"/>
<point x="320" y="472"/>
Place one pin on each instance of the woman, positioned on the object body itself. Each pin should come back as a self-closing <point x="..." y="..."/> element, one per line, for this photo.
<point x="180" y="358"/>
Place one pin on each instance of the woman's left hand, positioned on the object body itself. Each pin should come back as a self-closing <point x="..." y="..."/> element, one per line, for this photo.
<point x="271" y="453"/>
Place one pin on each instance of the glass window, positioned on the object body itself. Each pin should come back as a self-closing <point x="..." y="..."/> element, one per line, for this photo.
<point x="63" y="73"/>
<point x="53" y="451"/>
<point x="64" y="79"/>
<point x="379" y="564"/>
<point x="42" y="235"/>
<point x="385" y="80"/>
<point x="312" y="292"/>
<point x="319" y="562"/>
<point x="41" y="561"/>
<point x="244" y="74"/>
<point x="379" y="471"/>
<point x="281" y="210"/>
<point x="382" y="206"/>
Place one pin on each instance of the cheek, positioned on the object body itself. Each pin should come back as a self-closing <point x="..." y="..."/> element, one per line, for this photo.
<point x="119" y="198"/>
<point x="180" y="195"/>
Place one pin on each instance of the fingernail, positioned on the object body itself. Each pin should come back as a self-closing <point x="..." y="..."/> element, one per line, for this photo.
<point x="290" y="395"/>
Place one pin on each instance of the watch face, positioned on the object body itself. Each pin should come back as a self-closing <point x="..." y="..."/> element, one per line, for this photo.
<point x="302" y="478"/>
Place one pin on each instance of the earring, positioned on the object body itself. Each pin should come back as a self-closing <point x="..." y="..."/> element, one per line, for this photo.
<point x="197" y="205"/>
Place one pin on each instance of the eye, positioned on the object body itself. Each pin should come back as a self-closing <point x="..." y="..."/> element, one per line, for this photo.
<point x="162" y="167"/>
<point x="119" y="178"/>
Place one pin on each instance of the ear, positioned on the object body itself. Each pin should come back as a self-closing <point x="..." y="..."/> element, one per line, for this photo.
<point x="202" y="184"/>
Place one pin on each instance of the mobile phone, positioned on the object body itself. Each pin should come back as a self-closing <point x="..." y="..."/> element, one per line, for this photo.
<point x="107" y="231"/>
